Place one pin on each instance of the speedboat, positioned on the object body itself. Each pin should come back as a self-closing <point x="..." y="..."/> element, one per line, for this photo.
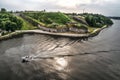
<point x="26" y="59"/>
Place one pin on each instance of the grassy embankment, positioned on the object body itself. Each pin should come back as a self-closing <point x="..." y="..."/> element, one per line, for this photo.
<point x="53" y="19"/>
<point x="26" y="25"/>
<point x="61" y="20"/>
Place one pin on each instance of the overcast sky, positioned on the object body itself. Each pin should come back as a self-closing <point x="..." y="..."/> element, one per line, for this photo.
<point x="105" y="7"/>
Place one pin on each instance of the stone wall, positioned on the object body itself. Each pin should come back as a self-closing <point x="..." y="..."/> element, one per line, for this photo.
<point x="47" y="29"/>
<point x="76" y="30"/>
<point x="53" y="29"/>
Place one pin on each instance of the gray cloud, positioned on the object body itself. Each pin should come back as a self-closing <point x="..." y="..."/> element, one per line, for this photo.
<point x="106" y="7"/>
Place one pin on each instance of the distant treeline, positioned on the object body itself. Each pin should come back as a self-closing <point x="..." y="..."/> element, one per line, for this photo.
<point x="118" y="18"/>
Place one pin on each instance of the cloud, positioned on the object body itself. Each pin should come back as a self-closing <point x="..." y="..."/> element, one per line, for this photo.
<point x="107" y="7"/>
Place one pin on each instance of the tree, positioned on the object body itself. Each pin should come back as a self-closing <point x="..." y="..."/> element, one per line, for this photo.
<point x="10" y="26"/>
<point x="13" y="26"/>
<point x="3" y="25"/>
<point x="19" y="24"/>
<point x="97" y="20"/>
<point x="7" y="25"/>
<point x="3" y="10"/>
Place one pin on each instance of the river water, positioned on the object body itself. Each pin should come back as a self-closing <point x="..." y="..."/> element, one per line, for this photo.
<point x="59" y="58"/>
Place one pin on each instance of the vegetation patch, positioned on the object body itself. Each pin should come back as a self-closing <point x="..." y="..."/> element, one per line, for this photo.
<point x="96" y="20"/>
<point x="55" y="20"/>
<point x="50" y="17"/>
<point x="9" y="23"/>
<point x="26" y="25"/>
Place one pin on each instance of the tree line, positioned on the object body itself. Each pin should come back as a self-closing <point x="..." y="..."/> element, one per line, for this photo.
<point x="97" y="20"/>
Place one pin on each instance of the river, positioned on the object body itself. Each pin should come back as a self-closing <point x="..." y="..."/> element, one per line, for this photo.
<point x="60" y="58"/>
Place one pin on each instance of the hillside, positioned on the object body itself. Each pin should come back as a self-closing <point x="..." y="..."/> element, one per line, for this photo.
<point x="60" y="22"/>
<point x="49" y="19"/>
<point x="54" y="22"/>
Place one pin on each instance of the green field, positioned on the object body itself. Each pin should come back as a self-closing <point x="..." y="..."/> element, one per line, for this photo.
<point x="26" y="25"/>
<point x="50" y="17"/>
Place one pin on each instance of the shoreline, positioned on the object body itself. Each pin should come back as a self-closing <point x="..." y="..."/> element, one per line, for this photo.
<point x="70" y="35"/>
<point x="97" y="31"/>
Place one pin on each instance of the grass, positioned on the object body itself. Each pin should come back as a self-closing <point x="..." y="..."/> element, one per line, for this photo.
<point x="56" y="20"/>
<point x="50" y="17"/>
<point x="27" y="25"/>
<point x="91" y="29"/>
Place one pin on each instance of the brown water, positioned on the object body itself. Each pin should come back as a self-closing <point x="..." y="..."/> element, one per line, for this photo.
<point x="58" y="58"/>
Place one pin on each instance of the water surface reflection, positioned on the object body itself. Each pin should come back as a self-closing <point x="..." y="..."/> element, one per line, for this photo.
<point x="58" y="58"/>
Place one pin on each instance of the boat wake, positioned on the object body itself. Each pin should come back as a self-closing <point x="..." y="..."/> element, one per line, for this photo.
<point x="26" y="59"/>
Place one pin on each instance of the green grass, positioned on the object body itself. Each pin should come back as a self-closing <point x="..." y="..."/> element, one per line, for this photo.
<point x="50" y="17"/>
<point x="27" y="25"/>
<point x="54" y="19"/>
<point x="91" y="29"/>
<point x="58" y="20"/>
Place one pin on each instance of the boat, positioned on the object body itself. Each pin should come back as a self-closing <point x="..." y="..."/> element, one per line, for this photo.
<point x="26" y="59"/>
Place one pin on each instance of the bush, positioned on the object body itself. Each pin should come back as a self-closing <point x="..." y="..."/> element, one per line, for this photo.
<point x="9" y="22"/>
<point x="97" y="20"/>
